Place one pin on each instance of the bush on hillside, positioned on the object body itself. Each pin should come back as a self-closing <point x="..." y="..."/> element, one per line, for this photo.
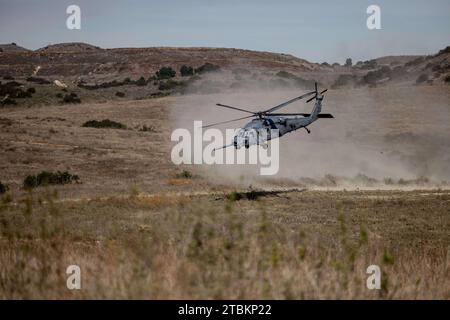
<point x="186" y="71"/>
<point x="3" y="188"/>
<point x="207" y="67"/>
<point x="165" y="73"/>
<point x="71" y="98"/>
<point x="48" y="178"/>
<point x="104" y="124"/>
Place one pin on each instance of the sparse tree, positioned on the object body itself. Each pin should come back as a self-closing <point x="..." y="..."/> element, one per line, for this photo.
<point x="348" y="62"/>
<point x="3" y="188"/>
<point x="165" y="73"/>
<point x="141" y="82"/>
<point x="186" y="71"/>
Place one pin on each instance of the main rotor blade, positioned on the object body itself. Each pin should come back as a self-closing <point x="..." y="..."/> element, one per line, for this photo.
<point x="320" y="115"/>
<point x="288" y="114"/>
<point x="234" y="108"/>
<point x="223" y="122"/>
<point x="311" y="99"/>
<point x="289" y="102"/>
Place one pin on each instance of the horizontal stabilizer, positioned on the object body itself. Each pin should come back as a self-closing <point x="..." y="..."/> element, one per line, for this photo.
<point x="325" y="115"/>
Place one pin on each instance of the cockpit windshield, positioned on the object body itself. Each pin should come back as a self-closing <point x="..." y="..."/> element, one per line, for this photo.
<point x="257" y="124"/>
<point x="241" y="133"/>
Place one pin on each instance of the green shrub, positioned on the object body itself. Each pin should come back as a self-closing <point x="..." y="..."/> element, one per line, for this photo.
<point x="23" y="94"/>
<point x="234" y="196"/>
<point x="38" y="80"/>
<point x="141" y="82"/>
<point x="8" y="101"/>
<point x="104" y="124"/>
<point x="168" y="85"/>
<point x="159" y="94"/>
<point x="186" y="71"/>
<point x="11" y="89"/>
<point x="30" y="182"/>
<point x="367" y="65"/>
<point x="8" y="77"/>
<point x="48" y="178"/>
<point x="147" y="128"/>
<point x="165" y="73"/>
<point x="185" y="174"/>
<point x="447" y="79"/>
<point x="71" y="98"/>
<point x="115" y="83"/>
<point x="3" y="188"/>
<point x="207" y="67"/>
<point x="120" y="94"/>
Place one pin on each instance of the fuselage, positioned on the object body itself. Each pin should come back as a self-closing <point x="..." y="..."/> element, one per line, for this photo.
<point x="258" y="131"/>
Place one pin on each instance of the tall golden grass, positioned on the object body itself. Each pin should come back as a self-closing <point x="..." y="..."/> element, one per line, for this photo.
<point x="175" y="247"/>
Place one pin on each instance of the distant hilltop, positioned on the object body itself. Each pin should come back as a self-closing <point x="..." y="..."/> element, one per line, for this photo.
<point x="12" y="47"/>
<point x="69" y="47"/>
<point x="78" y="60"/>
<point x="59" y="59"/>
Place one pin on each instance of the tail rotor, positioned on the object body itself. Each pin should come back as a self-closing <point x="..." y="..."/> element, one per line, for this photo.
<point x="317" y="95"/>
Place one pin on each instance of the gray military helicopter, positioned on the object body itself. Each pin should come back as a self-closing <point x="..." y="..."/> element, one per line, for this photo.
<point x="268" y="125"/>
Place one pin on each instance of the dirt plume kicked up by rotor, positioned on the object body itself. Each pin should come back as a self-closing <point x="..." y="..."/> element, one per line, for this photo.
<point x="380" y="137"/>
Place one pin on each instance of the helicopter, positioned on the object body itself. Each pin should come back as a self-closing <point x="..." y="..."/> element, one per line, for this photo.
<point x="268" y="125"/>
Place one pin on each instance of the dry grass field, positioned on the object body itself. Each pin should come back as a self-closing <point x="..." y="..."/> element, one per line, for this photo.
<point x="141" y="228"/>
<point x="288" y="245"/>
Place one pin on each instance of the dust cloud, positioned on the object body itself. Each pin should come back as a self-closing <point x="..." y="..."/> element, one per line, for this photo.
<point x="391" y="135"/>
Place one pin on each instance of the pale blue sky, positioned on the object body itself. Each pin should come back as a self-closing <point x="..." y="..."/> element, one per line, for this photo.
<point x="321" y="30"/>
